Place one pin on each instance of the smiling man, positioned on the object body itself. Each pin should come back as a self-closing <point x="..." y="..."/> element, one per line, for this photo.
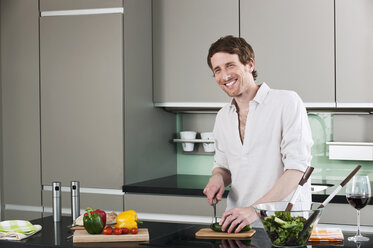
<point x="262" y="138"/>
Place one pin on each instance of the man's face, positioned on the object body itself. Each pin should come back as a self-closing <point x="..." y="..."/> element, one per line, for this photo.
<point x="230" y="74"/>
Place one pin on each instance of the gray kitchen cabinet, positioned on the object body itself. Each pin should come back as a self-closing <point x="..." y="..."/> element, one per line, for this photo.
<point x="149" y="154"/>
<point x="1" y="137"/>
<point x="293" y="42"/>
<point x="183" y="31"/>
<point x="332" y="215"/>
<point x="100" y="126"/>
<point x="98" y="88"/>
<point x="87" y="113"/>
<point x="354" y="53"/>
<point x="179" y="207"/>
<point x="81" y="81"/>
<point x="20" y="109"/>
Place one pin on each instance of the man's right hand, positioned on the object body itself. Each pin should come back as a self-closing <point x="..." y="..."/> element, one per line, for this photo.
<point x="214" y="189"/>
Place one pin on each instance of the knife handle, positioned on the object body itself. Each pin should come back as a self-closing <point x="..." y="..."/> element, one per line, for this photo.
<point x="302" y="181"/>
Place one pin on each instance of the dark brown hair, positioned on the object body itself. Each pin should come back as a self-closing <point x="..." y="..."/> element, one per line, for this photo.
<point x="233" y="45"/>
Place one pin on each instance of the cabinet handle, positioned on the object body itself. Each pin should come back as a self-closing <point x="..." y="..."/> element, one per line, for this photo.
<point x="88" y="190"/>
<point x="76" y="12"/>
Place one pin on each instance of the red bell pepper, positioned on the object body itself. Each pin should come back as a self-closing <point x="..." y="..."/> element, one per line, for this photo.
<point x="101" y="213"/>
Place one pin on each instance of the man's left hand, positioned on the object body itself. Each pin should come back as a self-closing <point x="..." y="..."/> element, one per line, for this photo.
<point x="239" y="217"/>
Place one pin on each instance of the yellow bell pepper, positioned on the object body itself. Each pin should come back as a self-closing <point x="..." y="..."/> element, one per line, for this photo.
<point x="127" y="219"/>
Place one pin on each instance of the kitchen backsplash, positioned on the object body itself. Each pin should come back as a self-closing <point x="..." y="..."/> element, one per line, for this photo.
<point x="322" y="125"/>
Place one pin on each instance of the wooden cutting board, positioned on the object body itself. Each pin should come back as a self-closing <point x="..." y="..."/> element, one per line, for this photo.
<point x="81" y="236"/>
<point x="73" y="228"/>
<point x="208" y="233"/>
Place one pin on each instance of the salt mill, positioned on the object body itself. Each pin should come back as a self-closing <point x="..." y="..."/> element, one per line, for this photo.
<point x="56" y="194"/>
<point x="75" y="199"/>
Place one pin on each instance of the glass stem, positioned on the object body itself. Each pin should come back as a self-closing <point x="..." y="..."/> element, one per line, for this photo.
<point x="358" y="223"/>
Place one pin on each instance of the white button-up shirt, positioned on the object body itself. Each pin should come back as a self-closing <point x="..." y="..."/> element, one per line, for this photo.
<point x="277" y="138"/>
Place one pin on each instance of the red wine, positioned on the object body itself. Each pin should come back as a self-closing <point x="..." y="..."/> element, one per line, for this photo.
<point x="358" y="201"/>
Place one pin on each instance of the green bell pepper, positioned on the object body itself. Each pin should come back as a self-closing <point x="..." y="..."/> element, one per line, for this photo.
<point x="92" y="222"/>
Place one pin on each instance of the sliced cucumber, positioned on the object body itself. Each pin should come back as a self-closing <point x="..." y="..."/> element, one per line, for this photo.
<point x="217" y="228"/>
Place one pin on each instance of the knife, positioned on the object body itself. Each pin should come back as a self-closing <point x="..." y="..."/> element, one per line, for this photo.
<point x="340" y="186"/>
<point x="302" y="181"/>
<point x="214" y="201"/>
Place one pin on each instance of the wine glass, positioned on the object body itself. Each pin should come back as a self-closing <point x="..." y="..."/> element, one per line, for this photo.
<point x="358" y="194"/>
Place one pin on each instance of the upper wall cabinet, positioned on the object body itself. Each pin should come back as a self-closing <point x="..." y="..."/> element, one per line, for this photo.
<point x="354" y="58"/>
<point x="19" y="76"/>
<point x="182" y="34"/>
<point x="293" y="42"/>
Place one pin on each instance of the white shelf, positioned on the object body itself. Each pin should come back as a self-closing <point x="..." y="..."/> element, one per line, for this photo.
<point x="360" y="151"/>
<point x="350" y="143"/>
<point x="192" y="141"/>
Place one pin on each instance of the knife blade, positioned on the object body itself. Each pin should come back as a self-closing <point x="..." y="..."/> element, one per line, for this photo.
<point x="214" y="207"/>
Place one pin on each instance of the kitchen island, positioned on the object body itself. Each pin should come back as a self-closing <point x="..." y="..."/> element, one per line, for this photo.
<point x="162" y="234"/>
<point x="161" y="193"/>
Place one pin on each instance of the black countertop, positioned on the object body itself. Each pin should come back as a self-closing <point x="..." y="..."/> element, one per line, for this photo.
<point x="161" y="235"/>
<point x="188" y="185"/>
<point x="193" y="185"/>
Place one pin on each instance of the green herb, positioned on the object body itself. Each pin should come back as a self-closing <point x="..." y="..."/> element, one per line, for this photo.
<point x="282" y="226"/>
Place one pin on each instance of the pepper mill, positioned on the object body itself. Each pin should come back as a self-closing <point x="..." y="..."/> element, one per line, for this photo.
<point x="75" y="199"/>
<point x="56" y="195"/>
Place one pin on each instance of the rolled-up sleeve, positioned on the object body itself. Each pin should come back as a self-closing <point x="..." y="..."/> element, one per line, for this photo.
<point x="220" y="159"/>
<point x="296" y="140"/>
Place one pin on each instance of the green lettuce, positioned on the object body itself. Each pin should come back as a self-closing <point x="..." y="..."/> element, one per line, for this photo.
<point x="281" y="227"/>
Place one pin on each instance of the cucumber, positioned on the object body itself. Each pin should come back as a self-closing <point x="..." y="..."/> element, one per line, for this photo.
<point x="246" y="228"/>
<point x="217" y="228"/>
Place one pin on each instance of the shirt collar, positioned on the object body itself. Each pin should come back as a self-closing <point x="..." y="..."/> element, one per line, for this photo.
<point x="259" y="97"/>
<point x="261" y="93"/>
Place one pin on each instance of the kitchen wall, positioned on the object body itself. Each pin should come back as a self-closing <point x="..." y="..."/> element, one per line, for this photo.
<point x="325" y="126"/>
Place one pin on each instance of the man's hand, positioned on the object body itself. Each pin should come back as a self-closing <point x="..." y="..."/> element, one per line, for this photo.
<point x="239" y="217"/>
<point x="214" y="189"/>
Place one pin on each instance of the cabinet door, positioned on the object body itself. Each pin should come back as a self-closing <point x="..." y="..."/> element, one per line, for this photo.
<point x="20" y="141"/>
<point x="183" y="31"/>
<point x="293" y="42"/>
<point x="176" y="206"/>
<point x="82" y="100"/>
<point x="354" y="39"/>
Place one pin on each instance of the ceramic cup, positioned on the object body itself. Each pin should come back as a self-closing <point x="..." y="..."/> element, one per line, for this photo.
<point x="208" y="147"/>
<point x="188" y="135"/>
